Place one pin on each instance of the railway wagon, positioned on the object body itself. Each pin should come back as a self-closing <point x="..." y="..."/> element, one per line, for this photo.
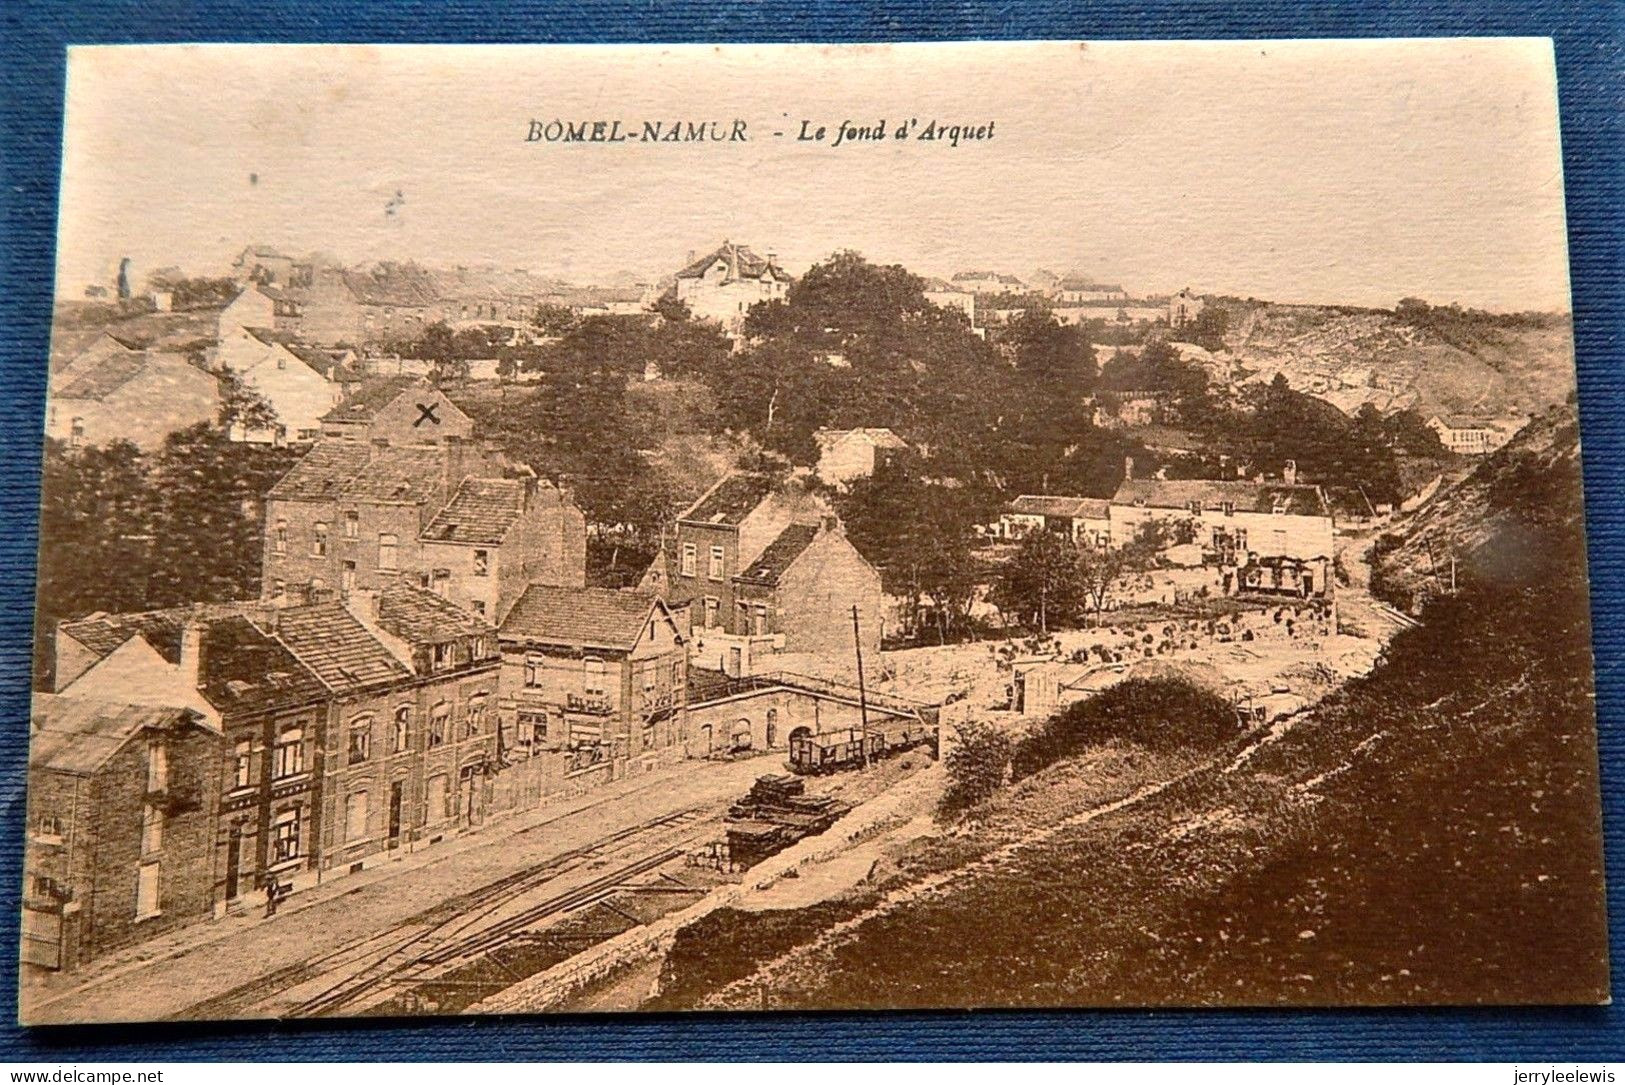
<point x="832" y="751"/>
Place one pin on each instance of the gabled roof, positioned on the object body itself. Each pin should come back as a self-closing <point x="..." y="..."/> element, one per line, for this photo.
<point x="742" y="264"/>
<point x="732" y="499"/>
<point x="879" y="436"/>
<point x="418" y="616"/>
<point x="79" y="735"/>
<point x="483" y="510"/>
<point x="394" y="475"/>
<point x="1297" y="500"/>
<point x="99" y="378"/>
<point x="1077" y="508"/>
<point x="320" y="359"/>
<point x="102" y="633"/>
<point x="244" y="669"/>
<point x="780" y="554"/>
<point x="363" y="404"/>
<point x="323" y="472"/>
<point x="334" y="645"/>
<point x="580" y="617"/>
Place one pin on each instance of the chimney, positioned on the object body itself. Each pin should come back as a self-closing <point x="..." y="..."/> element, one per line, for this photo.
<point x="454" y="461"/>
<point x="191" y="662"/>
<point x="692" y="256"/>
<point x="1128" y="468"/>
<point x="1290" y="472"/>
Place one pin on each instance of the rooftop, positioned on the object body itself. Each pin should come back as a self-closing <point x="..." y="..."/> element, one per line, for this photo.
<point x="1215" y="494"/>
<point x="733" y="498"/>
<point x="371" y="397"/>
<point x="333" y="643"/>
<point x="580" y="617"/>
<point x="742" y="264"/>
<point x="483" y="510"/>
<point x="878" y="435"/>
<point x="79" y="735"/>
<point x="780" y="554"/>
<point x="1077" y="508"/>
<point x="418" y="616"/>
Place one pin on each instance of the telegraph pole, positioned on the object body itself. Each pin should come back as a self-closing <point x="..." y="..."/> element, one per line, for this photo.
<point x="863" y="697"/>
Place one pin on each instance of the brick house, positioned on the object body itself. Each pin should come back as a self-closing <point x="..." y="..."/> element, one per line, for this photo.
<point x="746" y="604"/>
<point x="397" y="410"/>
<point x="353" y="306"/>
<point x="598" y="673"/>
<point x="114" y="390"/>
<point x="354" y="516"/>
<point x="844" y="455"/>
<point x="120" y="831"/>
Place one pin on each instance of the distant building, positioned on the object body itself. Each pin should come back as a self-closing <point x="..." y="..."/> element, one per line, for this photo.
<point x="1084" y="520"/>
<point x="119" y="842"/>
<point x="988" y="282"/>
<point x="946" y="295"/>
<point x="846" y="454"/>
<point x="1233" y="518"/>
<point x="1472" y="436"/>
<point x="1183" y="308"/>
<point x="1078" y="290"/>
<point x="595" y="672"/>
<point x="302" y="383"/>
<point x="262" y="264"/>
<point x="399" y="410"/>
<point x="724" y="284"/>
<point x="115" y="390"/>
<point x="353" y="306"/>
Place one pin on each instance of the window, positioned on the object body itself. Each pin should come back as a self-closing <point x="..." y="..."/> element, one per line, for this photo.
<point x="711" y="607"/>
<point x="482" y="563"/>
<point x="289" y="753"/>
<point x="535" y="667"/>
<point x="242" y="764"/>
<point x="360" y="739"/>
<point x="352" y="524"/>
<point x="281" y="361"/>
<point x="355" y="816"/>
<point x="387" y="544"/>
<point x="318" y="540"/>
<point x="279" y="538"/>
<point x="676" y="676"/>
<point x="593" y="676"/>
<point x="76" y="435"/>
<point x="444" y="655"/>
<point x="438" y="716"/>
<point x="715" y="570"/>
<point x="758" y="620"/>
<point x="479" y="607"/>
<point x="1229" y="508"/>
<point x="347" y="577"/>
<point x="285" y="836"/>
<point x="437" y="794"/>
<point x="689" y="558"/>
<point x="279" y="588"/>
<point x="152" y="829"/>
<point x="157" y="766"/>
<point x="146" y="891"/>
<point x="476" y="716"/>
<point x="48" y="825"/>
<point x="533" y="727"/>
<point x="403" y="727"/>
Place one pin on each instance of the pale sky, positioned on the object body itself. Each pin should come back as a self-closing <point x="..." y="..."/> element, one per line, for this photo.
<point x="1355" y="172"/>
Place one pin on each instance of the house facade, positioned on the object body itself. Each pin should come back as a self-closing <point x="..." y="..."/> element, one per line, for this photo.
<point x="115" y="391"/>
<point x="451" y="517"/>
<point x="1472" y="436"/>
<point x="988" y="282"/>
<point x="844" y="455"/>
<point x="725" y="283"/>
<point x="1083" y="520"/>
<point x="802" y="591"/>
<point x="119" y="845"/>
<point x="353" y="306"/>
<point x="1234" y="518"/>
<point x="1078" y="290"/>
<point x="301" y="383"/>
<point x="1183" y="308"/>
<point x="594" y="673"/>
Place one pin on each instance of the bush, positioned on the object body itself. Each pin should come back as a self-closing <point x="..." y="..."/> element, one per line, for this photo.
<point x="976" y="766"/>
<point x="1162" y="714"/>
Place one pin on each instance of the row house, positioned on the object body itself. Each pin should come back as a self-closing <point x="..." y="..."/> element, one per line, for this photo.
<point x="343" y="730"/>
<point x="1083" y="520"/>
<point x="1239" y="520"/>
<point x="354" y="306"/>
<point x="740" y="562"/>
<point x="723" y="284"/>
<point x="120" y="836"/>
<point x="1079" y="290"/>
<point x="353" y="516"/>
<point x="597" y="673"/>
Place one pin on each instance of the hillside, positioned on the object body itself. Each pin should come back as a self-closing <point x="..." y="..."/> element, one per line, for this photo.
<point x="1529" y="479"/>
<point x="1455" y="363"/>
<point x="1429" y="833"/>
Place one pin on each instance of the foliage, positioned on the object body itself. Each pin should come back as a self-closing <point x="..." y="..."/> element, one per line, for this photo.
<point x="1162" y="714"/>
<point x="242" y="405"/>
<point x="1039" y="586"/>
<point x="1209" y="327"/>
<point x="977" y="765"/>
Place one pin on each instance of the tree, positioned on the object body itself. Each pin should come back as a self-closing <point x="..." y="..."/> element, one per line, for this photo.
<point x="241" y="405"/>
<point x="1040" y="583"/>
<point x="553" y="319"/>
<point x="977" y="765"/>
<point x="1209" y="327"/>
<point x="1101" y="569"/>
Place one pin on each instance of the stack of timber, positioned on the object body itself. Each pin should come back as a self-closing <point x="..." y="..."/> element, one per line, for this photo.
<point x="774" y="814"/>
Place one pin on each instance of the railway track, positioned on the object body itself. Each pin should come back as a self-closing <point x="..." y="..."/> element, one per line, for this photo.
<point x="467" y="935"/>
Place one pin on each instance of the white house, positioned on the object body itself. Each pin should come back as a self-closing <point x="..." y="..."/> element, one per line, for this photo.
<point x="302" y="383"/>
<point x="724" y="284"/>
<point x="988" y="282"/>
<point x="846" y="454"/>
<point x="1078" y="290"/>
<point x="1268" y="519"/>
<point x="254" y="307"/>
<point x="1472" y="436"/>
<point x="1080" y="519"/>
<point x="1183" y="308"/>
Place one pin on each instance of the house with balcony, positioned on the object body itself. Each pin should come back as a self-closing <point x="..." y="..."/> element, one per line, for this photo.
<point x="596" y="674"/>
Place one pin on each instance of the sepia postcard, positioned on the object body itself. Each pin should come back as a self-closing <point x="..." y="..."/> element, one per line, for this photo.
<point x="599" y="528"/>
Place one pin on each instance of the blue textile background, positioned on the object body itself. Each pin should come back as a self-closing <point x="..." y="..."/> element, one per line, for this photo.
<point x="1592" y="90"/>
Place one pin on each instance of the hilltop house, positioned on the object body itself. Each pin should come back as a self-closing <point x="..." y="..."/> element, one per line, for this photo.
<point x="120" y="831"/>
<point x="1473" y="436"/>
<point x="598" y="673"/>
<point x="946" y="295"/>
<point x="724" y="284"/>
<point x="116" y="390"/>
<point x="386" y="300"/>
<point x="454" y="517"/>
<point x="1083" y="520"/>
<point x="1078" y="290"/>
<point x="846" y="454"/>
<point x="1183" y="308"/>
<point x="988" y="282"/>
